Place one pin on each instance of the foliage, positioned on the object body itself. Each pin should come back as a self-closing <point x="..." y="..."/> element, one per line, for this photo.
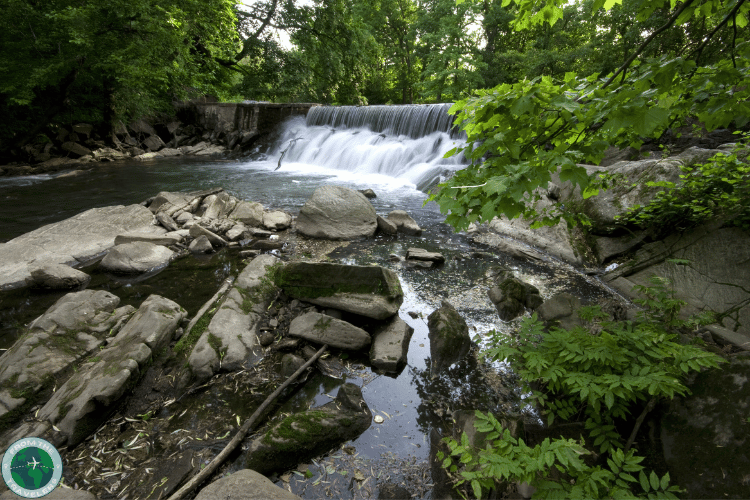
<point x="594" y="375"/>
<point x="509" y="459"/>
<point x="66" y="61"/>
<point x="718" y="189"/>
<point x="520" y="134"/>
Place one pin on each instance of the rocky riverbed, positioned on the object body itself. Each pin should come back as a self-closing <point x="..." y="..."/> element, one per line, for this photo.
<point x="140" y="393"/>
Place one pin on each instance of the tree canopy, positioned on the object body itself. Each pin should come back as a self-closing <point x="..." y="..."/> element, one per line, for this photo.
<point x="692" y="63"/>
<point x="65" y="61"/>
<point x="90" y="60"/>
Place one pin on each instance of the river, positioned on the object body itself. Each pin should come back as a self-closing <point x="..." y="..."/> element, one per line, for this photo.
<point x="308" y="154"/>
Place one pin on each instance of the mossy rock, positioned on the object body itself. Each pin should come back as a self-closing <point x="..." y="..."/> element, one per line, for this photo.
<point x="306" y="435"/>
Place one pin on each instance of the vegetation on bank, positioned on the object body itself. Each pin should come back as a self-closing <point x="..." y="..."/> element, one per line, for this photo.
<point x="606" y="376"/>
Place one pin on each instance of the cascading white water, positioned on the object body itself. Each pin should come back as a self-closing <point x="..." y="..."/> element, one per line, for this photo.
<point x="405" y="143"/>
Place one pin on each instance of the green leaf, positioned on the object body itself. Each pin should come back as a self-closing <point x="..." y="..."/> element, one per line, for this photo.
<point x="644" y="481"/>
<point x="654" y="480"/>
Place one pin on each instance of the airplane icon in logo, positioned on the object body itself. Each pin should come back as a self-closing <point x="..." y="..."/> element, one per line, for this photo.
<point x="34" y="462"/>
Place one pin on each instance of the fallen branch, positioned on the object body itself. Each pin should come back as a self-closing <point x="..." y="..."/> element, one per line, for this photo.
<point x="207" y="305"/>
<point x="246" y="426"/>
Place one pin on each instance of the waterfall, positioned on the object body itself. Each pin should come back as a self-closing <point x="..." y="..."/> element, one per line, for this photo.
<point x="405" y="144"/>
<point x="413" y="120"/>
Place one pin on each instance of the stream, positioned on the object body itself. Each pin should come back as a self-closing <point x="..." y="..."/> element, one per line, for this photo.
<point x="396" y="167"/>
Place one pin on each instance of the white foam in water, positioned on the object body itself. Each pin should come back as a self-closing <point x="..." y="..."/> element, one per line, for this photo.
<point x="360" y="155"/>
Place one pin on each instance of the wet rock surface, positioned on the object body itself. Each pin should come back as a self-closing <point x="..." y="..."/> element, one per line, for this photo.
<point x="390" y="344"/>
<point x="323" y="329"/>
<point x="87" y="398"/>
<point x="70" y="330"/>
<point x="59" y="277"/>
<point x="707" y="432"/>
<point x="449" y="337"/>
<point x="305" y="435"/>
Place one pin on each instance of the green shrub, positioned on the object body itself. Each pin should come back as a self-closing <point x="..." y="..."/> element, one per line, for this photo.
<point x="596" y="376"/>
<point x="717" y="189"/>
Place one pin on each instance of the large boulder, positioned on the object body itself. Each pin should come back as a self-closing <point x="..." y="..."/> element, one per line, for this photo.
<point x="337" y="213"/>
<point x="245" y="484"/>
<point x="303" y="436"/>
<point x="74" y="327"/>
<point x="390" y="345"/>
<point x="322" y="329"/>
<point x="72" y="241"/>
<point x="85" y="400"/>
<point x="249" y="213"/>
<point x="449" y="337"/>
<point x="136" y="258"/>
<point x="630" y="187"/>
<point x="713" y="277"/>
<point x="371" y="291"/>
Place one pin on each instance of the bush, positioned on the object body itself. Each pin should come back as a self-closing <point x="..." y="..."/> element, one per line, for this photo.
<point x="596" y="376"/>
<point x="718" y="189"/>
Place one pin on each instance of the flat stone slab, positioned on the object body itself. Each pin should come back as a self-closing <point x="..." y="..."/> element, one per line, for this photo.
<point x="73" y="241"/>
<point x="322" y="329"/>
<point x="157" y="239"/>
<point x="84" y="401"/>
<point x="371" y="291"/>
<point x="422" y="254"/>
<point x="74" y="327"/>
<point x="136" y="258"/>
<point x="231" y="340"/>
<point x="390" y="345"/>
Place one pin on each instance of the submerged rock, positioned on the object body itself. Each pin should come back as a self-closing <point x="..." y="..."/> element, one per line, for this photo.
<point x="371" y="291"/>
<point x="245" y="484"/>
<point x="337" y="213"/>
<point x="323" y="329"/>
<point x="449" y="337"/>
<point x="308" y="434"/>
